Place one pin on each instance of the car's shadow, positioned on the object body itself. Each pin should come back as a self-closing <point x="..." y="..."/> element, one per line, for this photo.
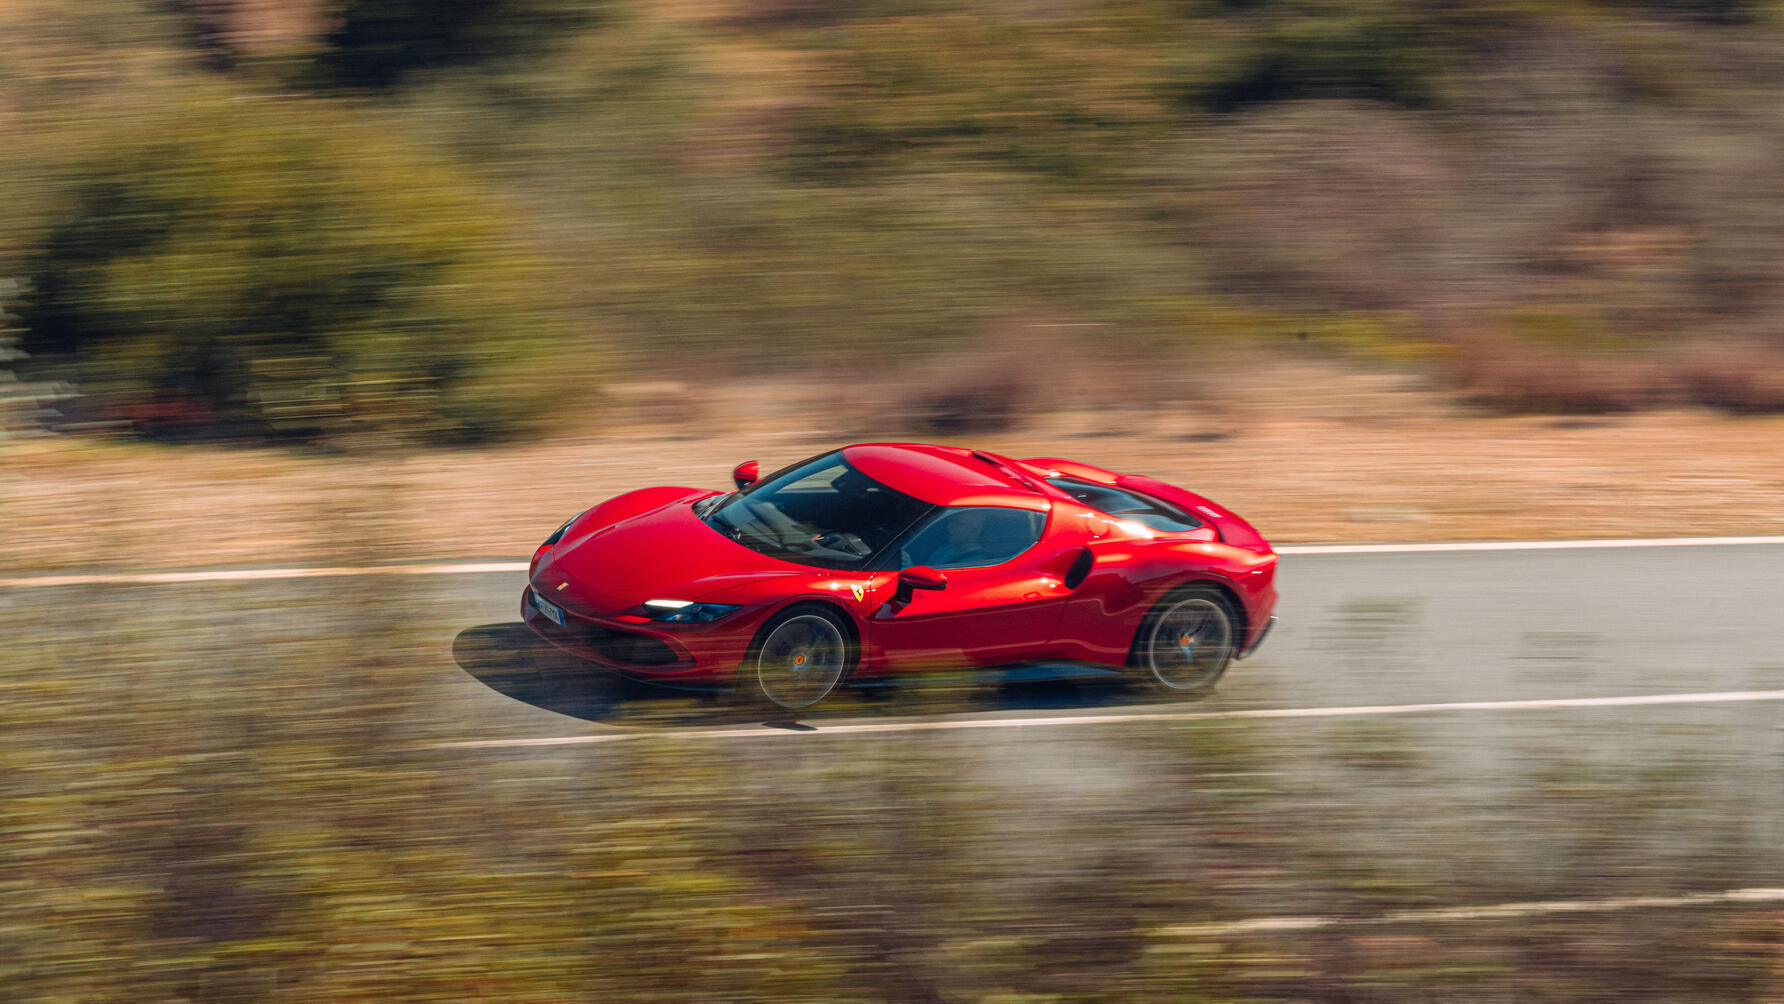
<point x="511" y="660"/>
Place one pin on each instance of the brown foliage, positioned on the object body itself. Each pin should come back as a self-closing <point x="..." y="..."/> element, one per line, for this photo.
<point x="986" y="396"/>
<point x="1742" y="378"/>
<point x="1738" y="378"/>
<point x="1512" y="376"/>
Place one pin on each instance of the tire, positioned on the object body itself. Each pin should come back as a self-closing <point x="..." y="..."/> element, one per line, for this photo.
<point x="1186" y="642"/>
<point x="799" y="657"/>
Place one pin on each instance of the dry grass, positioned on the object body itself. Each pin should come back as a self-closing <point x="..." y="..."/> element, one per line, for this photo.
<point x="1309" y="453"/>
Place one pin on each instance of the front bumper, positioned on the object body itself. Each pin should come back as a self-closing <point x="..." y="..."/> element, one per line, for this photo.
<point x="1259" y="640"/>
<point x="691" y="654"/>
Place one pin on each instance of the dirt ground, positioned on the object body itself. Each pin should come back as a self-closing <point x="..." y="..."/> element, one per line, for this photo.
<point x="1309" y="453"/>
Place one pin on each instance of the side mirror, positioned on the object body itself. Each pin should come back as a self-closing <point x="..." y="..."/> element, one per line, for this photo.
<point x="746" y="473"/>
<point x="921" y="577"/>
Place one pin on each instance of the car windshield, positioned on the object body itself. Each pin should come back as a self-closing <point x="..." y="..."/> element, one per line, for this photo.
<point x="821" y="512"/>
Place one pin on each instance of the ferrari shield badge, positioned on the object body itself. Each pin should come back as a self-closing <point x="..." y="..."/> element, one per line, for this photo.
<point x="562" y="584"/>
<point x="860" y="592"/>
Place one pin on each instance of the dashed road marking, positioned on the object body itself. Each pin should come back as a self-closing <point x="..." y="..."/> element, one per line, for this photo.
<point x="1527" y="545"/>
<point x="488" y="567"/>
<point x="950" y="724"/>
<point x="249" y="574"/>
<point x="1457" y="914"/>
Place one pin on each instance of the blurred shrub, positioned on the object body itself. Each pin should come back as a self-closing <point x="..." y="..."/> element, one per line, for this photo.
<point x="228" y="35"/>
<point x="1282" y="50"/>
<point x="375" y="43"/>
<point x="22" y="403"/>
<point x="283" y="266"/>
<point x="1563" y="360"/>
<point x="809" y="13"/>
<point x="989" y="397"/>
<point x="1510" y="375"/>
<point x="807" y="183"/>
<point x="969" y="92"/>
<point x="1367" y="56"/>
<point x="1739" y="378"/>
<point x="207" y="27"/>
<point x="1707" y="11"/>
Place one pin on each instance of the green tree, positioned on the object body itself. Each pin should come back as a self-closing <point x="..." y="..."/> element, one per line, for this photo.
<point x="282" y="266"/>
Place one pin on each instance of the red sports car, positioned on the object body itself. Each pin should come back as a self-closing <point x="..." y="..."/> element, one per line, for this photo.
<point x="893" y="558"/>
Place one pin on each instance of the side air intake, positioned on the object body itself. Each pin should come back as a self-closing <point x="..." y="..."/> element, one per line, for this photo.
<point x="1080" y="570"/>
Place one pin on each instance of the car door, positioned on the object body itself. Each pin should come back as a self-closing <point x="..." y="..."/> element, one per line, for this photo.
<point x="1001" y="602"/>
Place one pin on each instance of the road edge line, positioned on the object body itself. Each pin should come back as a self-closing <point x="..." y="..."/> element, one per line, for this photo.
<point x="1455" y="914"/>
<point x="955" y="724"/>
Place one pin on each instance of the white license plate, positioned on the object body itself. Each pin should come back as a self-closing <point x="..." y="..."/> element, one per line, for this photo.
<point x="549" y="609"/>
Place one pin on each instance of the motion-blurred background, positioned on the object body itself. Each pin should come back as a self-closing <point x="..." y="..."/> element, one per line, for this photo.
<point x="459" y="220"/>
<point x="347" y="282"/>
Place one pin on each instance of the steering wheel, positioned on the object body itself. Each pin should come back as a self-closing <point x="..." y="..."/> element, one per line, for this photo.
<point x="774" y="519"/>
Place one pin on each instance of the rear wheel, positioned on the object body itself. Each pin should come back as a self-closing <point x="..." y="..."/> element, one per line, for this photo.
<point x="802" y="656"/>
<point x="1186" y="643"/>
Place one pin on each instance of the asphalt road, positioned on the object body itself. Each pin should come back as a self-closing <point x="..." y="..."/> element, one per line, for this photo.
<point x="1386" y="628"/>
<point x="1355" y="629"/>
<point x="1377" y="629"/>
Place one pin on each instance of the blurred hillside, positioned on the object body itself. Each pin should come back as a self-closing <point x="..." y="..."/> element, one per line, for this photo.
<point x="455" y="220"/>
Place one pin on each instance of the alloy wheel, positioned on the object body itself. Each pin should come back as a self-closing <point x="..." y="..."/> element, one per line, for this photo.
<point x="1190" y="645"/>
<point x="801" y="660"/>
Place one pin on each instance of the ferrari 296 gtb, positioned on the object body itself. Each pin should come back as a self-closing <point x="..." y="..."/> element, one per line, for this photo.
<point x="895" y="558"/>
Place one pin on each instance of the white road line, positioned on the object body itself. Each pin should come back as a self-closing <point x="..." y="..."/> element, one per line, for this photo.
<point x="948" y="724"/>
<point x="1496" y="911"/>
<point x="1526" y="545"/>
<point x="241" y="574"/>
<point x="486" y="567"/>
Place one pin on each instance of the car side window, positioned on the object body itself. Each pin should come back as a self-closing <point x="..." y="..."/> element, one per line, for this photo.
<point x="1155" y="514"/>
<point x="972" y="537"/>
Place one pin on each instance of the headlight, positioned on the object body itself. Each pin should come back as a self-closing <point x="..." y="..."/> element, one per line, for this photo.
<point x="686" y="611"/>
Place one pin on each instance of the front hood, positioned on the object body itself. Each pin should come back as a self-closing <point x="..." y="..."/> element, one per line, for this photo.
<point x="659" y="552"/>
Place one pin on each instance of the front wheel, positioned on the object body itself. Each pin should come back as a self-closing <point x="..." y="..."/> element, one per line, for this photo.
<point x="1186" y="643"/>
<point x="802" y="656"/>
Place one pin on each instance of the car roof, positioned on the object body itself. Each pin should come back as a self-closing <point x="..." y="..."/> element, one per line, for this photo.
<point x="945" y="475"/>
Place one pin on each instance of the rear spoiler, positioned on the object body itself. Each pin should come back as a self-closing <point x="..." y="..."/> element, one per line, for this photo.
<point x="1228" y="524"/>
<point x="1231" y="527"/>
